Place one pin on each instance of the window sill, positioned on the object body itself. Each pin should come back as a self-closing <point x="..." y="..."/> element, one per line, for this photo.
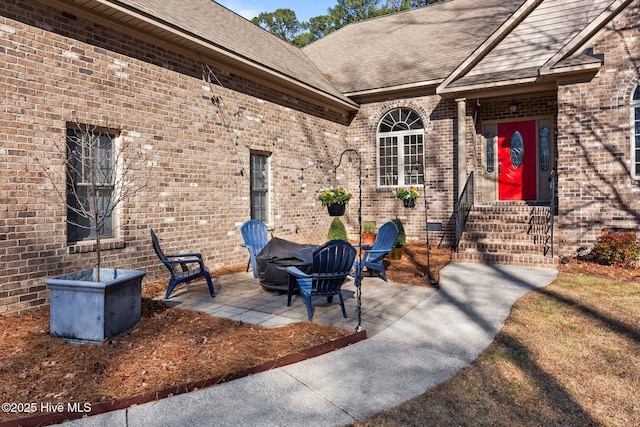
<point x="91" y="246"/>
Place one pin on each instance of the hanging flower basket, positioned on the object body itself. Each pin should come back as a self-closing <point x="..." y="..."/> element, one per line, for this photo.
<point x="336" y="209"/>
<point x="335" y="199"/>
<point x="408" y="196"/>
<point x="409" y="203"/>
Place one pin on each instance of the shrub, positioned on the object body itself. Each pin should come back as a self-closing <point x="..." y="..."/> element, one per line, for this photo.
<point x="369" y="227"/>
<point x="337" y="231"/>
<point x="402" y="237"/>
<point x="619" y="249"/>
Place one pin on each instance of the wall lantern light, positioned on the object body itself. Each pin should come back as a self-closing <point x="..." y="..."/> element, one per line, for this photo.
<point x="513" y="106"/>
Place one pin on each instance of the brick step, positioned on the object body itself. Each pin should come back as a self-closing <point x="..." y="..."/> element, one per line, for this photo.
<point x="517" y="209"/>
<point x="511" y="216"/>
<point x="501" y="227"/>
<point x="522" y="260"/>
<point x="503" y="236"/>
<point x="501" y="248"/>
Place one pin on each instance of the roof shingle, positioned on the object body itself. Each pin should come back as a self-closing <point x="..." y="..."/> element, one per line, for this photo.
<point x="419" y="45"/>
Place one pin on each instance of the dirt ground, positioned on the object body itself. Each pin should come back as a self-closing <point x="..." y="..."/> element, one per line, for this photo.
<point x="171" y="347"/>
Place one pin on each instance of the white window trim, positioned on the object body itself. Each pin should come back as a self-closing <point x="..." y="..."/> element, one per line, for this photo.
<point x="116" y="153"/>
<point x="269" y="190"/>
<point x="400" y="135"/>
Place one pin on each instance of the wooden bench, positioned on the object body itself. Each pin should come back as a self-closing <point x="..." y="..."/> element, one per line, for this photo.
<point x="179" y="267"/>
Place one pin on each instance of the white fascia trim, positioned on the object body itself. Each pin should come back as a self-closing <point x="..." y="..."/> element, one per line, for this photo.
<point x="491" y="42"/>
<point x="570" y="69"/>
<point x="485" y="86"/>
<point x="397" y="88"/>
<point x="229" y="54"/>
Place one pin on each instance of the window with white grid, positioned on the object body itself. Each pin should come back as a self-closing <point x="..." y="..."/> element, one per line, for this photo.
<point x="400" y="149"/>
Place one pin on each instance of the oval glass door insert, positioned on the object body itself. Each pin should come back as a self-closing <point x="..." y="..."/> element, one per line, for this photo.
<point x="516" y="150"/>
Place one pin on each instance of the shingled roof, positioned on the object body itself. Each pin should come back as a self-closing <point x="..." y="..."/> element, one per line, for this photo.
<point x="411" y="47"/>
<point x="213" y="31"/>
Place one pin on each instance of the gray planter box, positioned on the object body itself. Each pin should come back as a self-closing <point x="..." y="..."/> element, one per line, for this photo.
<point x="86" y="311"/>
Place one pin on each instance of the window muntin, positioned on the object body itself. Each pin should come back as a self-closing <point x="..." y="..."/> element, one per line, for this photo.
<point x="635" y="135"/>
<point x="400" y="148"/>
<point x="259" y="187"/>
<point x="90" y="166"/>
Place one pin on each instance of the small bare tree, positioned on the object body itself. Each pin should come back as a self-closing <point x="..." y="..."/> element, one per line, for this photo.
<point x="100" y="171"/>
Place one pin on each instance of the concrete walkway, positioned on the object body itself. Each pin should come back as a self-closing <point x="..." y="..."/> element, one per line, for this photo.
<point x="417" y="347"/>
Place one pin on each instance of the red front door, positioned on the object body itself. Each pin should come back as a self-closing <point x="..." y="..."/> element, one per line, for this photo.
<point x="517" y="168"/>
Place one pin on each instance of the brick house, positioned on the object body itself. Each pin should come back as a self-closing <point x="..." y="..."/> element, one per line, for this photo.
<point x="239" y="124"/>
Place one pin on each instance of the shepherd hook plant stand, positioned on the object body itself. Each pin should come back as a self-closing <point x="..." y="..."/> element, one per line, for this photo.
<point x="430" y="278"/>
<point x="358" y="276"/>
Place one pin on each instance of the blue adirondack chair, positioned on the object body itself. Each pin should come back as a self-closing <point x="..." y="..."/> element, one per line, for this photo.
<point x="332" y="264"/>
<point x="372" y="258"/>
<point x="255" y="237"/>
<point x="182" y="267"/>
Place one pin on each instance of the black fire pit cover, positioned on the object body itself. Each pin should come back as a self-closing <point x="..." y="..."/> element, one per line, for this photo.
<point x="276" y="256"/>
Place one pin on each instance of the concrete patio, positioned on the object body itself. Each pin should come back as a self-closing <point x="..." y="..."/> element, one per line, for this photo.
<point x="239" y="296"/>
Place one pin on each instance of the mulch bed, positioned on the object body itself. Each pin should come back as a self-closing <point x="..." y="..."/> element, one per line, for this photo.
<point x="169" y="348"/>
<point x="586" y="267"/>
<point x="173" y="350"/>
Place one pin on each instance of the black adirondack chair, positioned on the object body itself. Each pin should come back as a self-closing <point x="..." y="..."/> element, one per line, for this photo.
<point x="182" y="267"/>
<point x="332" y="264"/>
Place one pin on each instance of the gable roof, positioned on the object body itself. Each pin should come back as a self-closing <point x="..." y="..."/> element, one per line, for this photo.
<point x="464" y="45"/>
<point x="212" y="31"/>
<point x="545" y="41"/>
<point x="415" y="47"/>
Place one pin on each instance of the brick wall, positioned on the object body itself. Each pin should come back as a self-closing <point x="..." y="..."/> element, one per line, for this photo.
<point x="57" y="68"/>
<point x="440" y="135"/>
<point x="595" y="187"/>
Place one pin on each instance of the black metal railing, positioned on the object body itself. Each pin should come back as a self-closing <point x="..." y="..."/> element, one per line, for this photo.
<point x="553" y="180"/>
<point x="463" y="207"/>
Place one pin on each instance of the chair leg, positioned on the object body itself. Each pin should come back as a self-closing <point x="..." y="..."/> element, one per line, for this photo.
<point x="307" y="300"/>
<point x="344" y="311"/>
<point x="254" y="267"/>
<point x="383" y="273"/>
<point x="170" y="288"/>
<point x="292" y="285"/>
<point x="209" y="284"/>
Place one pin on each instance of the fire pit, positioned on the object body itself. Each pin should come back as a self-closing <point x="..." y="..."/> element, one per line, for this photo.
<point x="276" y="256"/>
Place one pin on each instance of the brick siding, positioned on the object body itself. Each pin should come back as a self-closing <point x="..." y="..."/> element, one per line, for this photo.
<point x="60" y="68"/>
<point x="595" y="187"/>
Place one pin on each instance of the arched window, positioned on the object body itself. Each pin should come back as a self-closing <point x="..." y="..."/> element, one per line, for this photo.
<point x="400" y="149"/>
<point x="635" y="134"/>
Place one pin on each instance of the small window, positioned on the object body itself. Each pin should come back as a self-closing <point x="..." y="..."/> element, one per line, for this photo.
<point x="400" y="149"/>
<point x="544" y="148"/>
<point x="90" y="168"/>
<point x="490" y="139"/>
<point x="635" y="136"/>
<point x="260" y="187"/>
<point x="516" y="150"/>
